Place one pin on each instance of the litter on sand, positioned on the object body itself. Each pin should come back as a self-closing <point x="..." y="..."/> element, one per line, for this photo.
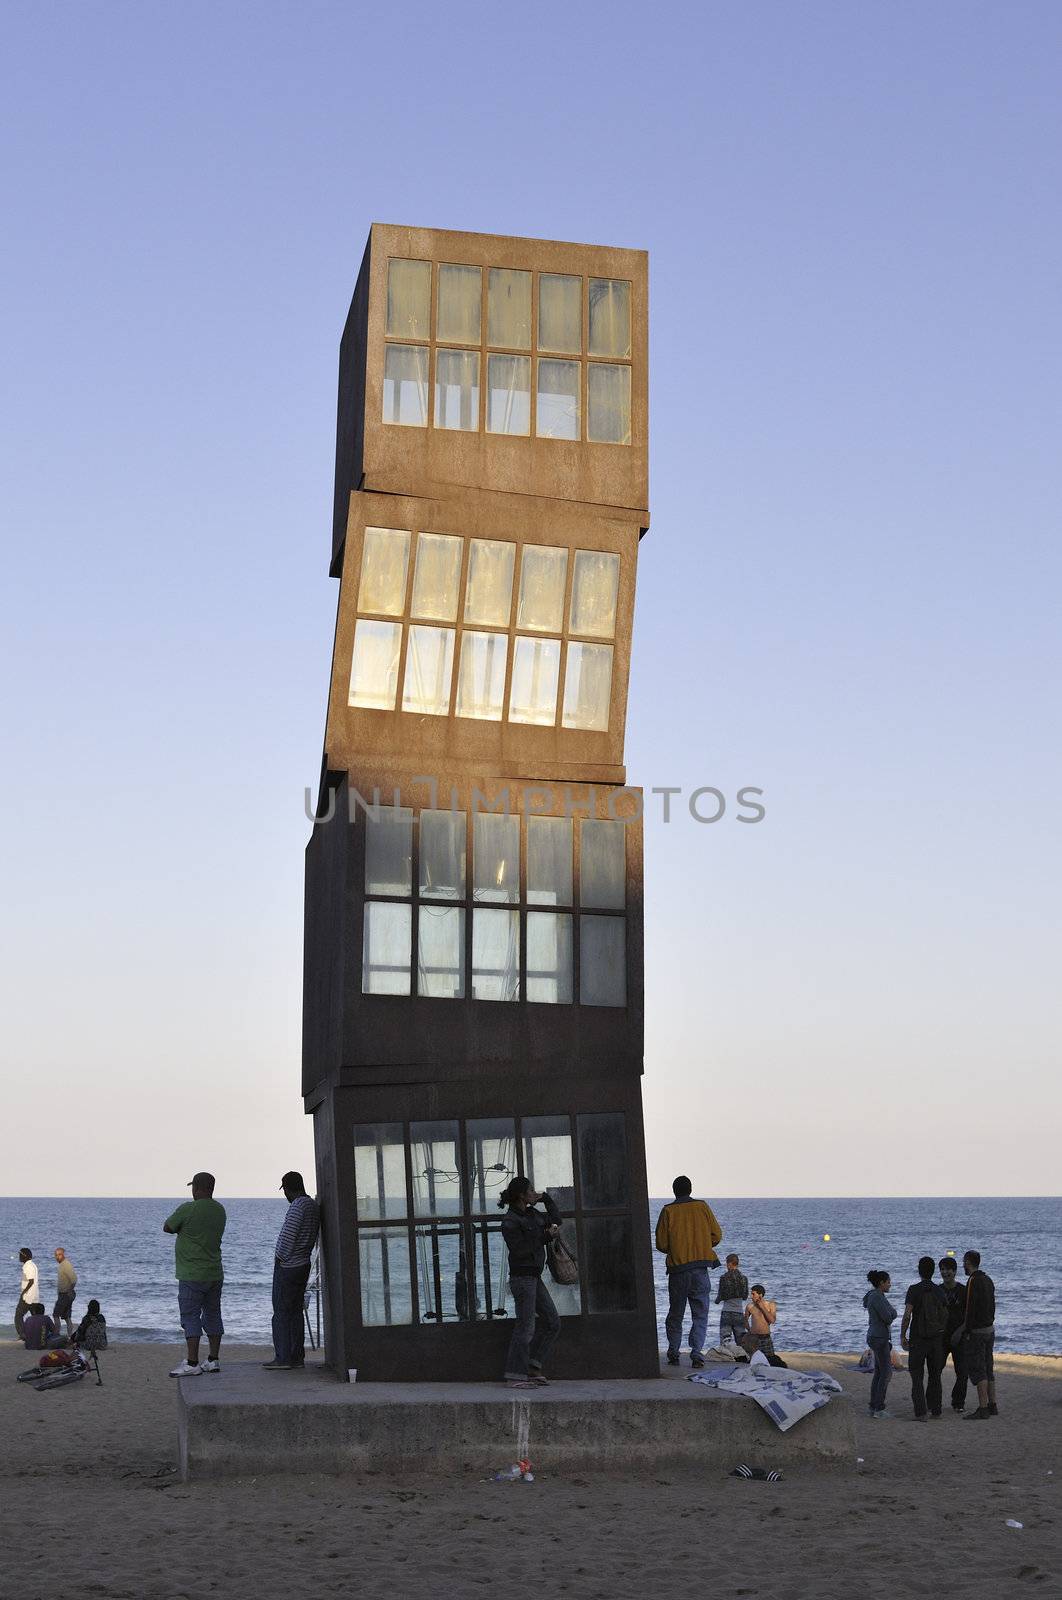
<point x="759" y="1473"/>
<point x="1012" y="1524"/>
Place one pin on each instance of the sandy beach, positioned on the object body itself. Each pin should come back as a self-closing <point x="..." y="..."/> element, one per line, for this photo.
<point x="91" y="1502"/>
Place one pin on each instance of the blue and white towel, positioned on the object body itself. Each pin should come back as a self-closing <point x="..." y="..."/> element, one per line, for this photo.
<point x="785" y="1395"/>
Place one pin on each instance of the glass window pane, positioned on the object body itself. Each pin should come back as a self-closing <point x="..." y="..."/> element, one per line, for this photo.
<point x="496" y="858"/>
<point x="459" y="304"/>
<point x="603" y="961"/>
<point x="374" y="665"/>
<point x="383" y="1268"/>
<point x="429" y="668"/>
<point x="385" y="955"/>
<point x="409" y="299"/>
<point x="603" y="1170"/>
<point x="389" y="850"/>
<point x="384" y="561"/>
<point x="442" y="855"/>
<point x="509" y="308"/>
<point x="608" y="1264"/>
<point x="405" y="389"/>
<point x="491" y="1160"/>
<point x="437" y="577"/>
<point x="490" y="1272"/>
<point x="536" y="668"/>
<point x="436" y="1169"/>
<point x="587" y="687"/>
<point x="602" y="865"/>
<point x="557" y="400"/>
<point x="508" y="394"/>
<point x="549" y="957"/>
<point x="547" y="1143"/>
<point x="560" y="313"/>
<point x="481" y="679"/>
<point x="489" y="591"/>
<point x="608" y="404"/>
<point x="495" y="955"/>
<point x="442" y="1272"/>
<point x="379" y="1170"/>
<point x="549" y="861"/>
<point x="457" y="390"/>
<point x="595" y="585"/>
<point x="441" y="952"/>
<point x="610" y="317"/>
<point x="543" y="572"/>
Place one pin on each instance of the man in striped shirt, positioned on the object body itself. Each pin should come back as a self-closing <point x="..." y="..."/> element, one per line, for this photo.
<point x="291" y="1273"/>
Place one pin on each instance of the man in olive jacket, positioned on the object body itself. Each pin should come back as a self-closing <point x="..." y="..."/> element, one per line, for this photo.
<point x="688" y="1233"/>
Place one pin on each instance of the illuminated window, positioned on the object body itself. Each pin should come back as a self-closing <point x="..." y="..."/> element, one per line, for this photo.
<point x="460" y="310"/>
<point x="409" y="299"/>
<point x="509" y="309"/>
<point x="508" y="394"/>
<point x="457" y="390"/>
<point x="405" y="389"/>
<point x="500" y="675"/>
<point x="576" y="332"/>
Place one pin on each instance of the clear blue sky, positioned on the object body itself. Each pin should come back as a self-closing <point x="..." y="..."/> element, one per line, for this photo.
<point x="849" y="594"/>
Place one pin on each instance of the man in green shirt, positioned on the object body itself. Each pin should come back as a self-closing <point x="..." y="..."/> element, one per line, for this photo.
<point x="199" y="1224"/>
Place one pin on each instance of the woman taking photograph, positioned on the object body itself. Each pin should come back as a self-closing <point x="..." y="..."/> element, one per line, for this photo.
<point x="881" y="1315"/>
<point x="525" y="1232"/>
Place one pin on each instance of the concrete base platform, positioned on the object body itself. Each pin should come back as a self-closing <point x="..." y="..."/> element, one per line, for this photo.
<point x="246" y="1421"/>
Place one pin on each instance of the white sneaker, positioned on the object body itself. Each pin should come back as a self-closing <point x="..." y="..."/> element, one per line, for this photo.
<point x="210" y="1366"/>
<point x="186" y="1370"/>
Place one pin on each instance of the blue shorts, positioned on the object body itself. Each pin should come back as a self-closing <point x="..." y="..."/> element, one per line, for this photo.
<point x="200" y="1308"/>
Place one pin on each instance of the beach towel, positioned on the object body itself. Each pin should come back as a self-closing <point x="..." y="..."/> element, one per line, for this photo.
<point x="785" y="1395"/>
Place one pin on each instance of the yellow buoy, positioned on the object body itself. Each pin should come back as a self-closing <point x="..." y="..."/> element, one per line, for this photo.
<point x="950" y="1252"/>
<point x="825" y="1238"/>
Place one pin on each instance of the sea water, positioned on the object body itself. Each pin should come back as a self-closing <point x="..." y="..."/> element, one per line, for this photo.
<point x="125" y="1260"/>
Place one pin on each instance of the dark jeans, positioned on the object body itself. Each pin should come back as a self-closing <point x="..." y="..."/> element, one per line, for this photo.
<point x="958" y="1388"/>
<point x="882" y="1349"/>
<point x="536" y="1328"/>
<point x="923" y="1355"/>
<point x="692" y="1284"/>
<point x="21" y="1313"/>
<point x="289" y="1288"/>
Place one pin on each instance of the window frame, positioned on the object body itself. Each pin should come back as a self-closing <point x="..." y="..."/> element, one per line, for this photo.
<point x="522" y="905"/>
<point x="584" y="357"/>
<point x="474" y="1226"/>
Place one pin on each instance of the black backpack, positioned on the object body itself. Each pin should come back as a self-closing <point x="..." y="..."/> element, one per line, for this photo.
<point x="932" y="1313"/>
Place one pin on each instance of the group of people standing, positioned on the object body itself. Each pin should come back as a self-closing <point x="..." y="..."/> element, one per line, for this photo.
<point x="687" y="1233"/>
<point x="35" y="1328"/>
<point x="199" y="1227"/>
<point x="950" y="1319"/>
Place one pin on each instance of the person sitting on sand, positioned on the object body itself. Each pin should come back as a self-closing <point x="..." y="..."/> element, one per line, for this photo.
<point x="731" y="1295"/>
<point x="760" y="1316"/>
<point x="91" y="1331"/>
<point x="39" y="1331"/>
<point x="880" y="1315"/>
<point x="537" y="1325"/>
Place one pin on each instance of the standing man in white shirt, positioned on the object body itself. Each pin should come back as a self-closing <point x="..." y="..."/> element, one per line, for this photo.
<point x="291" y="1273"/>
<point x="30" y="1291"/>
